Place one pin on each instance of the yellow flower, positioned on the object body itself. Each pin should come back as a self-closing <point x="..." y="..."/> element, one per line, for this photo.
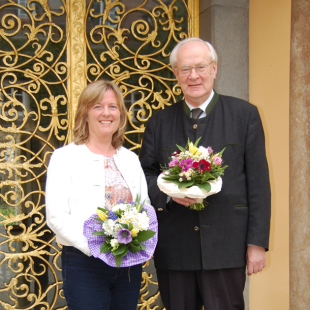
<point x="134" y="232"/>
<point x="102" y="215"/>
<point x="192" y="148"/>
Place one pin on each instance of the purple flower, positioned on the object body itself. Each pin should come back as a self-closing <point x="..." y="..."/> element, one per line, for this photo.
<point x="112" y="216"/>
<point x="124" y="236"/>
<point x="120" y="201"/>
<point x="186" y="164"/>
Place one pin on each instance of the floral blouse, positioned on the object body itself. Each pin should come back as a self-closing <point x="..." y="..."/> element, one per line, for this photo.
<point x="116" y="187"/>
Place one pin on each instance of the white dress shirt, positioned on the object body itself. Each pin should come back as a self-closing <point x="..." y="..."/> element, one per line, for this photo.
<point x="203" y="106"/>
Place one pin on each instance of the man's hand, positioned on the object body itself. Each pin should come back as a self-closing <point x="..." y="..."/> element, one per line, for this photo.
<point x="184" y="201"/>
<point x="256" y="259"/>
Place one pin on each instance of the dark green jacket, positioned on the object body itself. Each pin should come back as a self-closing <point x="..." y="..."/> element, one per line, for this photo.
<point x="235" y="217"/>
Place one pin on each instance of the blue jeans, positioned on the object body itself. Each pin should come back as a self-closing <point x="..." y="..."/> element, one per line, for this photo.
<point x="91" y="284"/>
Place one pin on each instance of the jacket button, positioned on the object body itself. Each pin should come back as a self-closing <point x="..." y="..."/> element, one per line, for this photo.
<point x="160" y="209"/>
<point x="195" y="126"/>
<point x="196" y="228"/>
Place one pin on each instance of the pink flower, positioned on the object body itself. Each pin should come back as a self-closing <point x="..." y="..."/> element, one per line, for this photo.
<point x="217" y="160"/>
<point x="173" y="163"/>
<point x="186" y="164"/>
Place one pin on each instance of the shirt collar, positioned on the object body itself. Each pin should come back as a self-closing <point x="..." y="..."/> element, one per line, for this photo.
<point x="204" y="105"/>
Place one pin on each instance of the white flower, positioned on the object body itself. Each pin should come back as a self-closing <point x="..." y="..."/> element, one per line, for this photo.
<point x="204" y="152"/>
<point x="143" y="220"/>
<point x="121" y="206"/>
<point x="180" y="179"/>
<point x="114" y="243"/>
<point x="109" y="228"/>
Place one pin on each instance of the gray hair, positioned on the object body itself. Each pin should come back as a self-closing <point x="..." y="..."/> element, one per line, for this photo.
<point x="174" y="53"/>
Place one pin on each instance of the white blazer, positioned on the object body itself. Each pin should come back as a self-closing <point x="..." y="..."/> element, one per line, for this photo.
<point x="75" y="187"/>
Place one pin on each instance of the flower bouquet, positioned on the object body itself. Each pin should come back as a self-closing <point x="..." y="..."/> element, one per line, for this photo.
<point x="124" y="236"/>
<point x="193" y="172"/>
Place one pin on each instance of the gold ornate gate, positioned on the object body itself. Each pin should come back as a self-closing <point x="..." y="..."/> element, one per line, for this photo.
<point x="49" y="50"/>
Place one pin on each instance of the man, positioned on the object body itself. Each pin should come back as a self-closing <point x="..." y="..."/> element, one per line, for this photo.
<point x="201" y="255"/>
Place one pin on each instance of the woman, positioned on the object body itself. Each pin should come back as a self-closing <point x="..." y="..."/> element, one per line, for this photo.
<point x="94" y="171"/>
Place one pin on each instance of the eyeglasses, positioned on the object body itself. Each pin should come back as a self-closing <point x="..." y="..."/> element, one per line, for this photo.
<point x="185" y="70"/>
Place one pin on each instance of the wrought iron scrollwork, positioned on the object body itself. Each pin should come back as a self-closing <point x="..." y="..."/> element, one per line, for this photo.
<point x="49" y="50"/>
<point x="33" y="122"/>
<point x="131" y="46"/>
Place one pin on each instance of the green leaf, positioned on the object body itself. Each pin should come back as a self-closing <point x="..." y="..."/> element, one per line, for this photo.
<point x="143" y="247"/>
<point x="125" y="252"/>
<point x="100" y="233"/>
<point x="134" y="249"/>
<point x="135" y="242"/>
<point x="120" y="250"/>
<point x="105" y="248"/>
<point x="172" y="175"/>
<point x="124" y="225"/>
<point x="104" y="210"/>
<point x="98" y="219"/>
<point x="130" y="226"/>
<point x="206" y="175"/>
<point x="118" y="260"/>
<point x="206" y="186"/>
<point x="221" y="152"/>
<point x="181" y="148"/>
<point x="118" y="212"/>
<point x="119" y="257"/>
<point x="171" y="178"/>
<point x="197" y="141"/>
<point x="186" y="184"/>
<point x="140" y="207"/>
<point x="145" y="235"/>
<point x="214" y="176"/>
<point x="174" y="181"/>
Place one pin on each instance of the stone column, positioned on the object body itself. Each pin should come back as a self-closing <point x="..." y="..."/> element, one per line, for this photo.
<point x="300" y="156"/>
<point x="225" y="24"/>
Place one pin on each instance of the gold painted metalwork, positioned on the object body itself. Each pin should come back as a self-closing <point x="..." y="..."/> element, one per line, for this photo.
<point x="48" y="52"/>
<point x="131" y="46"/>
<point x="193" y="18"/>
<point x="76" y="56"/>
<point x="34" y="121"/>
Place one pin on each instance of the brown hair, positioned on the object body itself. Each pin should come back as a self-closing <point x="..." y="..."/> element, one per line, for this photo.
<point x="91" y="95"/>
